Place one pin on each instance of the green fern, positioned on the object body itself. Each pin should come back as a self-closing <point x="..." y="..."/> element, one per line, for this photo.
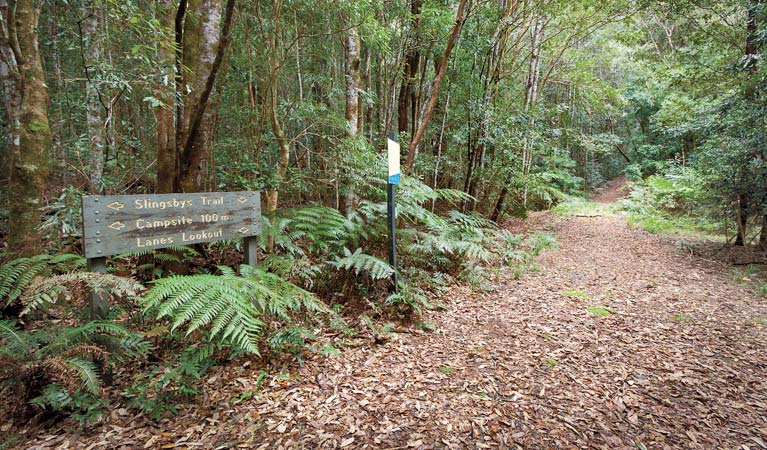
<point x="16" y="343"/>
<point x="44" y="292"/>
<point x="323" y="226"/>
<point x="186" y="252"/>
<point x="298" y="270"/>
<point x="233" y="307"/>
<point x="290" y="339"/>
<point x="88" y="373"/>
<point x="57" y="367"/>
<point x="360" y="262"/>
<point x="17" y="274"/>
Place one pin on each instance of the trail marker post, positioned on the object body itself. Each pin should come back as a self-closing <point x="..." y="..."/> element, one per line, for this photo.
<point x="114" y="224"/>
<point x="394" y="179"/>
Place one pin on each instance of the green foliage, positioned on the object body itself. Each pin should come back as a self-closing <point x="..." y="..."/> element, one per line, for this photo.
<point x="538" y="242"/>
<point x="446" y="370"/>
<point x="670" y="205"/>
<point x="316" y="228"/>
<point x="43" y="293"/>
<point x="162" y="387"/>
<point x="359" y="262"/>
<point x="18" y="274"/>
<point x="599" y="311"/>
<point x="153" y="261"/>
<point x="290" y="339"/>
<point x="63" y="216"/>
<point x="408" y="300"/>
<point x="575" y="294"/>
<point x="58" y="368"/>
<point x="234" y="308"/>
<point x="576" y="206"/>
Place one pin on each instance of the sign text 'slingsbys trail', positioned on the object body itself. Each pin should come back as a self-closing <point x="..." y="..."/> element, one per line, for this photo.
<point x="115" y="224"/>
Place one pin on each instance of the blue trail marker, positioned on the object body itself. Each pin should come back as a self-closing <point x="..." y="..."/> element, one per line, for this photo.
<point x="394" y="179"/>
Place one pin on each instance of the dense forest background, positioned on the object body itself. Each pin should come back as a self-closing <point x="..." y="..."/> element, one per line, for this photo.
<point x="501" y="107"/>
<point x="513" y="102"/>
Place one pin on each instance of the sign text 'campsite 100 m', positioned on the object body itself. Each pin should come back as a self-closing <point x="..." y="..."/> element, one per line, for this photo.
<point x="115" y="224"/>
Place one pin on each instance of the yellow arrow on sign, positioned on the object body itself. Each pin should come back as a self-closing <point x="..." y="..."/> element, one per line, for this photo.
<point x="117" y="226"/>
<point x="116" y="205"/>
<point x="244" y="230"/>
<point x="242" y="199"/>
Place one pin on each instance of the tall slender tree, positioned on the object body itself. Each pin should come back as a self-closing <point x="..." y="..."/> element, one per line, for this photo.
<point x="26" y="108"/>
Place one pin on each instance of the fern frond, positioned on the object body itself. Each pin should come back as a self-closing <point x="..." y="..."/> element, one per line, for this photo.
<point x="360" y="262"/>
<point x="87" y="372"/>
<point x="18" y="274"/>
<point x="43" y="292"/>
<point x="54" y="396"/>
<point x="16" y="343"/>
<point x="232" y="306"/>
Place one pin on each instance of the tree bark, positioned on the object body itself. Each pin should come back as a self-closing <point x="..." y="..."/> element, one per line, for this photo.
<point x="459" y="17"/>
<point x="94" y="103"/>
<point x="352" y="61"/>
<point x="743" y="213"/>
<point x="763" y="234"/>
<point x="406" y="101"/>
<point x="26" y="94"/>
<point x="272" y="195"/>
<point x="351" y="47"/>
<point x="204" y="48"/>
<point x="164" y="113"/>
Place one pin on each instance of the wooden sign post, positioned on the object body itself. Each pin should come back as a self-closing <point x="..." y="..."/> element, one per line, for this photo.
<point x="114" y="224"/>
<point x="393" y="150"/>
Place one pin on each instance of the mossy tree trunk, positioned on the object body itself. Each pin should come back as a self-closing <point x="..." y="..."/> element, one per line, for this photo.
<point x="26" y="100"/>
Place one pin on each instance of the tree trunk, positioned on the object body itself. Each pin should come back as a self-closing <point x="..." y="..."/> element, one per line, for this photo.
<point x="29" y="133"/>
<point x="164" y="113"/>
<point x="351" y="51"/>
<point x="366" y="117"/>
<point x="351" y="47"/>
<point x="459" y="17"/>
<point x="743" y="213"/>
<point x="94" y="102"/>
<point x="272" y="195"/>
<point x="410" y="71"/>
<point x="533" y="73"/>
<point x="204" y="46"/>
<point x="501" y="199"/>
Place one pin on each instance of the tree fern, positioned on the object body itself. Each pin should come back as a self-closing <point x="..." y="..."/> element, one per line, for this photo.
<point x="323" y="226"/>
<point x="233" y="307"/>
<point x="360" y="262"/>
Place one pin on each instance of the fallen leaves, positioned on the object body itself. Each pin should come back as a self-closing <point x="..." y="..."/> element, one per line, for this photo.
<point x="520" y="367"/>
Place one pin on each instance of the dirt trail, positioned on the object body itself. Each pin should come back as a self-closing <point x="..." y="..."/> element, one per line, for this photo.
<point x="612" y="190"/>
<point x="679" y="363"/>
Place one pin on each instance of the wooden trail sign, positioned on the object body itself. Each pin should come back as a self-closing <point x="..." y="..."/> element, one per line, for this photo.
<point x="115" y="224"/>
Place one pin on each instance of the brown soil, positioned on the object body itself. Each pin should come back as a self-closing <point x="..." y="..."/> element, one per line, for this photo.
<point x="679" y="363"/>
<point x="611" y="191"/>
